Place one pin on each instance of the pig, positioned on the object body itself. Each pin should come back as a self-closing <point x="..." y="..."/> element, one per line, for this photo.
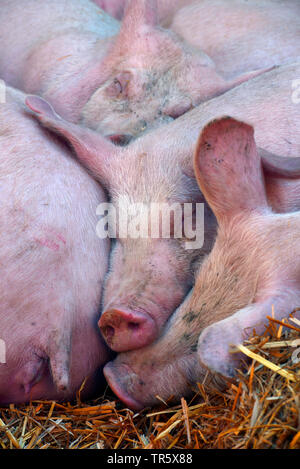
<point x="124" y="81"/>
<point x="114" y="8"/>
<point x="252" y="266"/>
<point x="55" y="49"/>
<point x="149" y="276"/>
<point x="156" y="75"/>
<point x="52" y="265"/>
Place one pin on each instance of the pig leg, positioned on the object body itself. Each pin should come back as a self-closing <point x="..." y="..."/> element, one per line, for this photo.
<point x="52" y="355"/>
<point x="59" y="354"/>
<point x="31" y="373"/>
<point x="216" y="341"/>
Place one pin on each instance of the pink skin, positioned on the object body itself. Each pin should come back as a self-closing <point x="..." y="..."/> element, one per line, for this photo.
<point x="58" y="53"/>
<point x="114" y="8"/>
<point x="149" y="279"/>
<point x="52" y="265"/>
<point x="122" y="83"/>
<point x="167" y="73"/>
<point x="166" y="8"/>
<point x="250" y="268"/>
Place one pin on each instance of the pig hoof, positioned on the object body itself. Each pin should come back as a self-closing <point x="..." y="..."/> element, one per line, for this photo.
<point x="214" y="350"/>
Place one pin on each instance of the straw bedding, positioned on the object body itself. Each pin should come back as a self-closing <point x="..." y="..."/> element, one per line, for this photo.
<point x="261" y="410"/>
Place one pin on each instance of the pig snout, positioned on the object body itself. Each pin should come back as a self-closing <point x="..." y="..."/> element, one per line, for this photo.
<point x="125" y="330"/>
<point x="142" y="290"/>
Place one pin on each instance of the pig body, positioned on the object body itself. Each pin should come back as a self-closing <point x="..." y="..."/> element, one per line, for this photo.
<point x="123" y="82"/>
<point x="149" y="278"/>
<point x="55" y="49"/>
<point x="52" y="264"/>
<point x="252" y="267"/>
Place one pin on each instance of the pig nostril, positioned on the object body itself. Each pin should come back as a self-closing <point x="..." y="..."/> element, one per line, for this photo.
<point x="108" y="332"/>
<point x="119" y="139"/>
<point x="125" y="330"/>
<point x="133" y="326"/>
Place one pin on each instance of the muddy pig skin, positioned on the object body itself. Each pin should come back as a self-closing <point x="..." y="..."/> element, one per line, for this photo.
<point x="253" y="266"/>
<point x="121" y="82"/>
<point x="52" y="264"/>
<point x="149" y="278"/>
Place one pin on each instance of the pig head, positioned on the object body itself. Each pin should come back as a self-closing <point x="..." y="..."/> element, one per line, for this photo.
<point x="149" y="276"/>
<point x="252" y="267"/>
<point x="152" y="76"/>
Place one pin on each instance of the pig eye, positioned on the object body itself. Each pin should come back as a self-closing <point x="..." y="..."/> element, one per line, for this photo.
<point x="114" y="89"/>
<point x="119" y="85"/>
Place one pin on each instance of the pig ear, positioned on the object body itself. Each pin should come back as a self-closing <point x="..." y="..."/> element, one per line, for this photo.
<point x="278" y="166"/>
<point x="93" y="150"/>
<point x="238" y="80"/>
<point x="228" y="168"/>
<point x="139" y="13"/>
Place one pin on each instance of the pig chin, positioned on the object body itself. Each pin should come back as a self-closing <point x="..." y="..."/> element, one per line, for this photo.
<point x="143" y="389"/>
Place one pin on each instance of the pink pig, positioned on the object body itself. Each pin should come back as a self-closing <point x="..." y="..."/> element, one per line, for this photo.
<point x="252" y="267"/>
<point x="52" y="265"/>
<point x="166" y="8"/>
<point x="149" y="278"/>
<point x="121" y="82"/>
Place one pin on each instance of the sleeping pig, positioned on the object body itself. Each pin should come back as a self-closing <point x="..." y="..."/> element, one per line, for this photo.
<point x="150" y="276"/>
<point x="52" y="264"/>
<point x="155" y="75"/>
<point x="253" y="266"/>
